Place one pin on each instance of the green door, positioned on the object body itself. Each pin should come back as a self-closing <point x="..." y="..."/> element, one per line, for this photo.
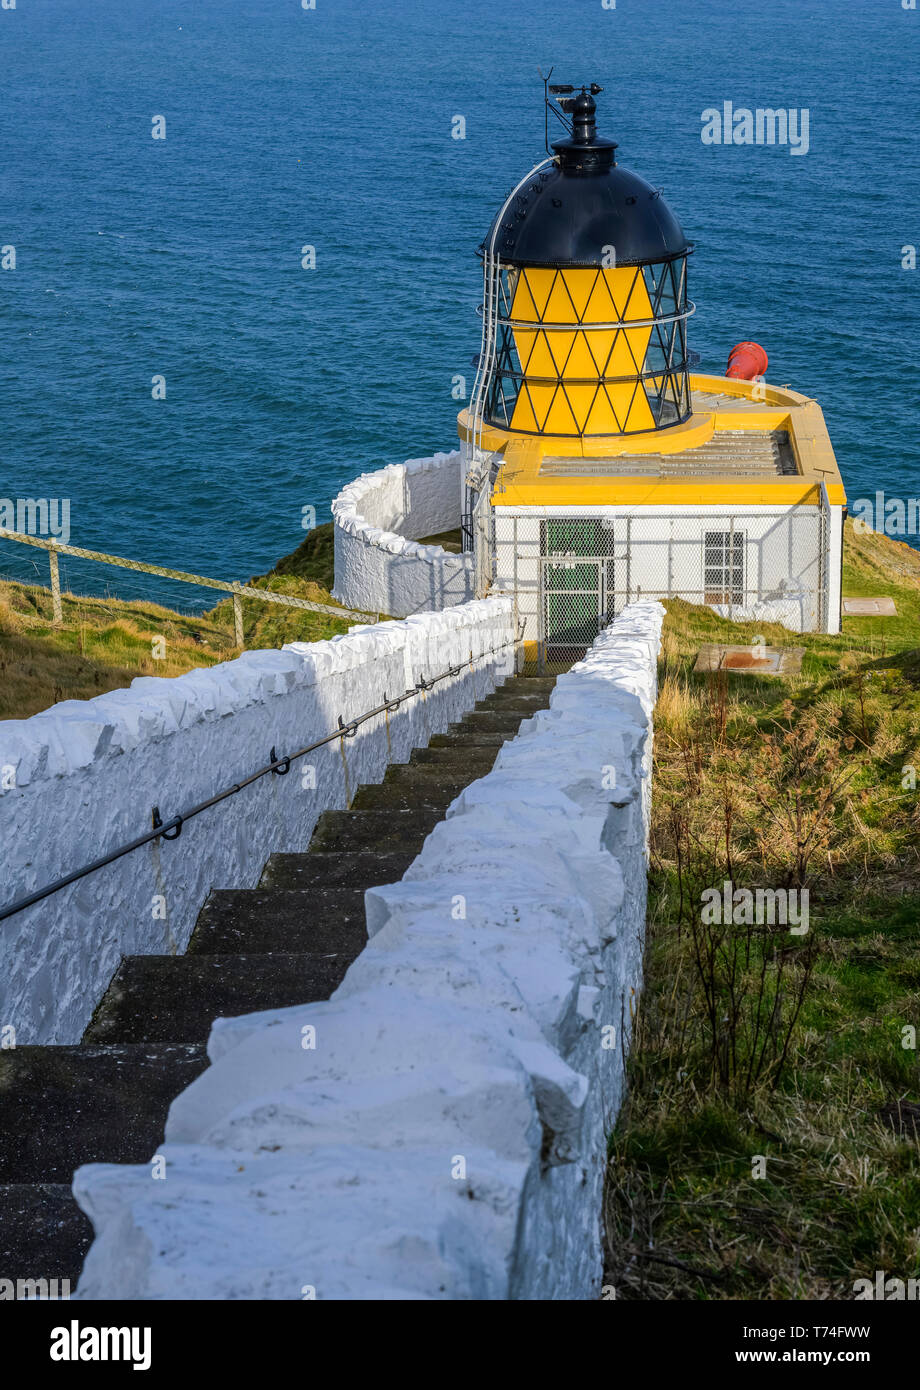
<point x="576" y="575"/>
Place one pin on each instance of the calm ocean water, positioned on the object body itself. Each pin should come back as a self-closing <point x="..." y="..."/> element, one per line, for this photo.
<point x="332" y="127"/>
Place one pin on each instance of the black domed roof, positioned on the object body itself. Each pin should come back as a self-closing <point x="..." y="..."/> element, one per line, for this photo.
<point x="571" y="213"/>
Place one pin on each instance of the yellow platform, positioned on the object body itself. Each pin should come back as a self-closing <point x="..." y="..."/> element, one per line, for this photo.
<point x="746" y="443"/>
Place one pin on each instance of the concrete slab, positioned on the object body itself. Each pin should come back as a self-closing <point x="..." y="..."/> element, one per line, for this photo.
<point x="750" y="661"/>
<point x="879" y="607"/>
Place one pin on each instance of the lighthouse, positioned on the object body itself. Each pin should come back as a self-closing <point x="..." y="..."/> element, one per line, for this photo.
<point x="592" y="297"/>
<point x="598" y="467"/>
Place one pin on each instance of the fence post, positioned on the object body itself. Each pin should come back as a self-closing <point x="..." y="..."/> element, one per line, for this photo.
<point x="236" y="589"/>
<point x="237" y="616"/>
<point x="57" y="611"/>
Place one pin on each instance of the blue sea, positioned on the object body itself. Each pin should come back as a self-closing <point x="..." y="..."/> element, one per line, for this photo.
<point x="332" y="127"/>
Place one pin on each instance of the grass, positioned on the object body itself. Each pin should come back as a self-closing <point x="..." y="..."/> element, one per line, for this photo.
<point x="104" y="643"/>
<point x="451" y="541"/>
<point x="766" y="1149"/>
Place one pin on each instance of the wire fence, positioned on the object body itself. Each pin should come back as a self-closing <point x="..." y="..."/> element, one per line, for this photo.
<point x="238" y="591"/>
<point x="769" y="567"/>
<point x="571" y="575"/>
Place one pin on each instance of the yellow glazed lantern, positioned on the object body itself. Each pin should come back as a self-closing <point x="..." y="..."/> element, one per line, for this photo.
<point x="577" y="379"/>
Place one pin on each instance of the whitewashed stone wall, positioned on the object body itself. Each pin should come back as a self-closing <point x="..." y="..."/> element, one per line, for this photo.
<point x="435" y="1130"/>
<point x="378" y="566"/>
<point x="87" y="774"/>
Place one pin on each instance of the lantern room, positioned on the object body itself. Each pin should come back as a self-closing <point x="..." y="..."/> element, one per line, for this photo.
<point x="589" y="306"/>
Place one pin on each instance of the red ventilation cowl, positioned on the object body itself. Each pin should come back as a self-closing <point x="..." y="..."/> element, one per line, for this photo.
<point x="747" y="361"/>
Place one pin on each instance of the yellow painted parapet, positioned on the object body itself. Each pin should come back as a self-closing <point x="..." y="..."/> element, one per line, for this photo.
<point x="521" y="491"/>
<point x="761" y="408"/>
<point x="697" y="430"/>
<point x="760" y="391"/>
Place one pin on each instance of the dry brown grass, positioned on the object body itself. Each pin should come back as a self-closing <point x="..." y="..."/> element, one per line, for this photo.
<point x="103" y="643"/>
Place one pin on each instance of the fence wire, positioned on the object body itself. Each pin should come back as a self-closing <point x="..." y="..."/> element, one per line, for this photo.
<point x="747" y="567"/>
<point x="56" y="549"/>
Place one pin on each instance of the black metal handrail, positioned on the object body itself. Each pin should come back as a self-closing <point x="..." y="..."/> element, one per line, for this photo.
<point x="172" y="829"/>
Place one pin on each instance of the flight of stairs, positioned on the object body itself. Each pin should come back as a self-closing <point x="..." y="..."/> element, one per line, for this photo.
<point x="287" y="942"/>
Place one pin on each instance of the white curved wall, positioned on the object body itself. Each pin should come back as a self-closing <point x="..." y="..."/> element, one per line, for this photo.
<point x="378" y="566"/>
<point x="86" y="774"/>
<point x="444" y="1135"/>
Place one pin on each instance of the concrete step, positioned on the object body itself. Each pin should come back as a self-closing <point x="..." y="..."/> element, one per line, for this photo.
<point x="63" y="1106"/>
<point x="386" y="831"/>
<point x="334" y="877"/>
<point x="523" y="690"/>
<point x="43" y="1233"/>
<point x="444" y="751"/>
<point x="264" y="920"/>
<point x="507" y="713"/>
<point x="429" y="776"/>
<point x="523" y="705"/>
<point x="400" y="773"/>
<point x="433" y="792"/>
<point x="462" y="736"/>
<point x="489" y="722"/>
<point x="176" y="998"/>
<point x="529" y="685"/>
